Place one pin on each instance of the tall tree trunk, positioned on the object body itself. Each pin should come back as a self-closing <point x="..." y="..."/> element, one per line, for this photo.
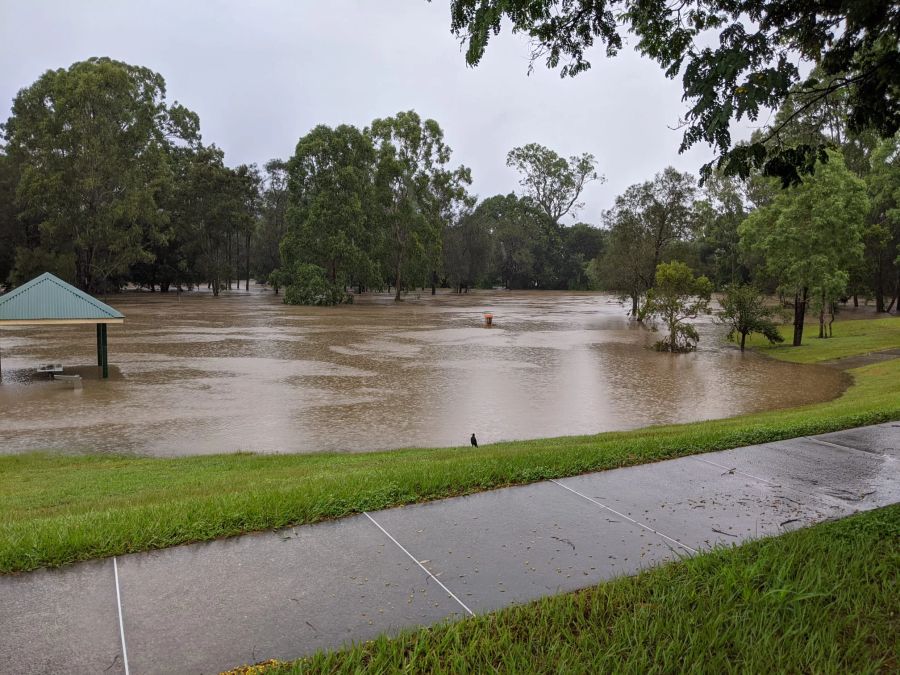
<point x="634" y="305"/>
<point x="398" y="280"/>
<point x="822" y="333"/>
<point x="247" y="253"/>
<point x="743" y="340"/>
<point x="799" y="315"/>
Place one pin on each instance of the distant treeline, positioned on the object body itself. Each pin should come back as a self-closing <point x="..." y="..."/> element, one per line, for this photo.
<point x="107" y="185"/>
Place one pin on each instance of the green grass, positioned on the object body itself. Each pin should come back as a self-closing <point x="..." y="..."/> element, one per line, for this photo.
<point x="821" y="600"/>
<point x="57" y="509"/>
<point x="850" y="338"/>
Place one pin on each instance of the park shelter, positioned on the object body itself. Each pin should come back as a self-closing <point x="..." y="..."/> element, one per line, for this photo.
<point x="47" y="300"/>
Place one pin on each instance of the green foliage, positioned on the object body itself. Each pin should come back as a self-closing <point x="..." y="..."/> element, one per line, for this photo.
<point x="552" y="182"/>
<point x="332" y="213"/>
<point x="645" y="223"/>
<point x="92" y="142"/>
<point x="677" y="295"/>
<point x="272" y="225"/>
<point x="881" y="234"/>
<point x="811" y="234"/>
<point x="309" y="285"/>
<point x="745" y="312"/>
<point x="417" y="191"/>
<point x="30" y="263"/>
<point x="467" y="250"/>
<point x="752" y="69"/>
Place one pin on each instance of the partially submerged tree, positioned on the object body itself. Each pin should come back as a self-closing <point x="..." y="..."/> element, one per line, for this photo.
<point x="92" y="142"/>
<point x="416" y="191"/>
<point x="644" y="223"/>
<point x="467" y="250"/>
<point x="744" y="311"/>
<point x="677" y="296"/>
<point x="332" y="215"/>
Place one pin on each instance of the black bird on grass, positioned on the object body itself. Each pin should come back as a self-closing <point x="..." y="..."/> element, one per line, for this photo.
<point x="474" y="441"/>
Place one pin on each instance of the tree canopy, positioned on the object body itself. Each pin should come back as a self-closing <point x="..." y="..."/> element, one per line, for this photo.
<point x="736" y="59"/>
<point x="92" y="142"/>
<point x="552" y="182"/>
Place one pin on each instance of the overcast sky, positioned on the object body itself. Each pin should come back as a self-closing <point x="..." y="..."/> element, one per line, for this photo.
<point x="262" y="73"/>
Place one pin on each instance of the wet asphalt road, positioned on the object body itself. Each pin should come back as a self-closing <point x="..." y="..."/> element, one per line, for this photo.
<point x="207" y="607"/>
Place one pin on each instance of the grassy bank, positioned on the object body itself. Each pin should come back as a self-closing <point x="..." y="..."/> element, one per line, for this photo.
<point x="57" y="509"/>
<point x="821" y="600"/>
<point x="850" y="338"/>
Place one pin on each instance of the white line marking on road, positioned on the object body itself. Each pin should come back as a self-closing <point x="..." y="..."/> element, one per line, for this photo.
<point x="731" y="468"/>
<point x="415" y="560"/>
<point x="121" y="623"/>
<point x="622" y="515"/>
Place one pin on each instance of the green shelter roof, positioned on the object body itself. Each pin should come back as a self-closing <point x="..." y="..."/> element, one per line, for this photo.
<point x="49" y="299"/>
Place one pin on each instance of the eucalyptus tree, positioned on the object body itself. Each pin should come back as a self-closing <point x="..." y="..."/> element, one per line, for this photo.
<point x="882" y="231"/>
<point x="417" y="193"/>
<point x="519" y="235"/>
<point x="719" y="215"/>
<point x="810" y="235"/>
<point x="248" y="185"/>
<point x="467" y="250"/>
<point x="208" y="208"/>
<point x="552" y="182"/>
<point x="272" y="224"/>
<point x="92" y="142"/>
<point x="13" y="232"/>
<point x="332" y="216"/>
<point x="644" y="224"/>
<point x="753" y="67"/>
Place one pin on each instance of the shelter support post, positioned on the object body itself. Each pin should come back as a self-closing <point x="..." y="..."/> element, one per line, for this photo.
<point x="102" y="354"/>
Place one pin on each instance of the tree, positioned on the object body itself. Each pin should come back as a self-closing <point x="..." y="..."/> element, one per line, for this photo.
<point x="208" y="209"/>
<point x="745" y="312"/>
<point x="754" y="67"/>
<point x="92" y="142"/>
<point x="882" y="231"/>
<point x="331" y="217"/>
<point x="645" y="222"/>
<point x="272" y="224"/>
<point x="519" y="232"/>
<point x="677" y="295"/>
<point x="553" y="183"/>
<point x="581" y="243"/>
<point x="719" y="215"/>
<point x="13" y="232"/>
<point x="467" y="250"/>
<point x="810" y="235"/>
<point x="416" y="191"/>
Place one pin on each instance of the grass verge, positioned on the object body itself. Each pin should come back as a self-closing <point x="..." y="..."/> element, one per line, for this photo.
<point x="821" y="600"/>
<point x="58" y="509"/>
<point x="850" y="338"/>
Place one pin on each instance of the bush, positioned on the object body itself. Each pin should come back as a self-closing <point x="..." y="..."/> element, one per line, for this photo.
<point x="308" y="285"/>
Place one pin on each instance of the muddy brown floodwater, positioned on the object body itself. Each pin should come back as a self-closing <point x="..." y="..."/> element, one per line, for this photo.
<point x="197" y="375"/>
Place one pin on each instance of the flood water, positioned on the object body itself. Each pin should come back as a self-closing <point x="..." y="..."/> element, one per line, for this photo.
<point x="196" y="375"/>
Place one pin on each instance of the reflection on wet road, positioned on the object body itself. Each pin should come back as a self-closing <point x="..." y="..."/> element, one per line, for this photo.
<point x="199" y="375"/>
